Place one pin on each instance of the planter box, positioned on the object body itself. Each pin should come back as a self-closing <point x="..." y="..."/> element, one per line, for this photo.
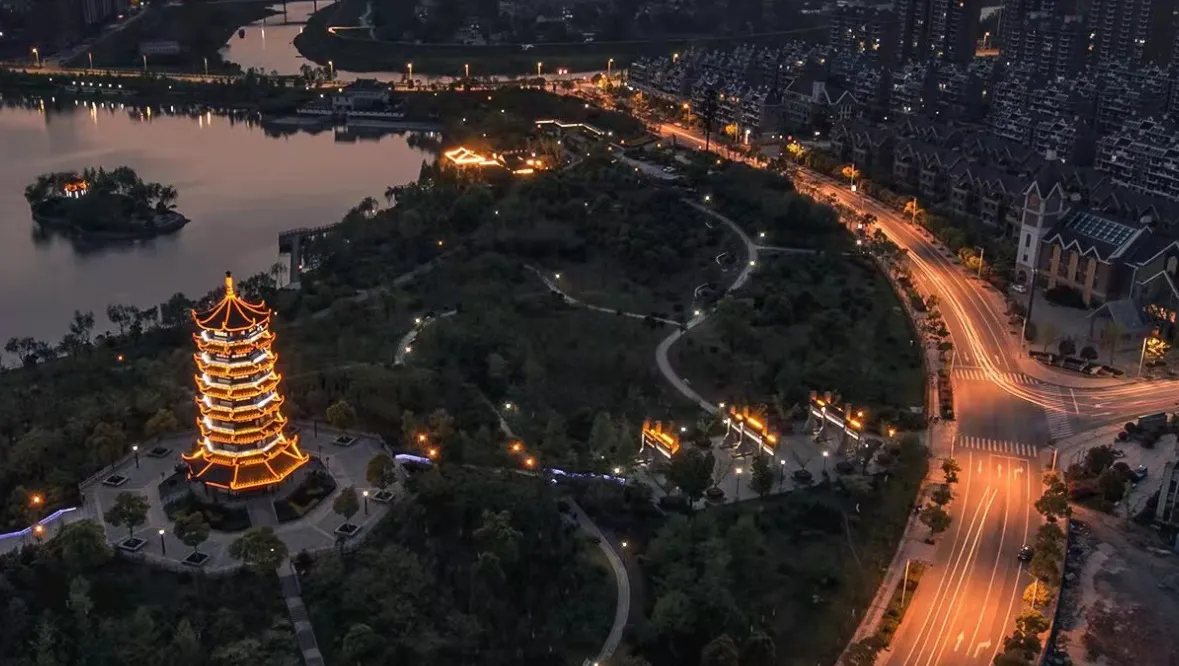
<point x="344" y="441"/>
<point x="196" y="559"/>
<point x="347" y="529"/>
<point x="159" y="452"/>
<point x="114" y="480"/>
<point x="132" y="544"/>
<point x="382" y="496"/>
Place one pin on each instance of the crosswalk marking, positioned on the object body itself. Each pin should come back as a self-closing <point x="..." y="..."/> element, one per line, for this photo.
<point x="978" y="374"/>
<point x="1059" y="424"/>
<point x="996" y="446"/>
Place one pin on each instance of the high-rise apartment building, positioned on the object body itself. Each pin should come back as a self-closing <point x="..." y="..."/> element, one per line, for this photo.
<point x="1048" y="44"/>
<point x="937" y="29"/>
<point x="1132" y="31"/>
<point x="858" y="29"/>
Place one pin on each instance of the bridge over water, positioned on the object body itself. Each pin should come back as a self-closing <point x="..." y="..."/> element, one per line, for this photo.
<point x="292" y="242"/>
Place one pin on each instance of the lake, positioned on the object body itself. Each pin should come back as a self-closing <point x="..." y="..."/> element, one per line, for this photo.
<point x="239" y="186"/>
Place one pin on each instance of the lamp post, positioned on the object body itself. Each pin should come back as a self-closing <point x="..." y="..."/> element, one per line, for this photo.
<point x="609" y="68"/>
<point x="135" y="450"/>
<point x="37" y="56"/>
<point x="739" y="470"/>
<point x="91" y="57"/>
<point x="982" y="251"/>
<point x="1142" y="356"/>
<point x="538" y="68"/>
<point x="163" y="546"/>
<point x="466" y="70"/>
<point x="206" y="59"/>
<point x="409" y="66"/>
<point x="332" y="70"/>
<point x="365" y="494"/>
<point x="782" y="479"/>
<point x="825" y="456"/>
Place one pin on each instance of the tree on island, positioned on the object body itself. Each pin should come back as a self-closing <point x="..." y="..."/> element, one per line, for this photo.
<point x="130" y="509"/>
<point x="260" y="548"/>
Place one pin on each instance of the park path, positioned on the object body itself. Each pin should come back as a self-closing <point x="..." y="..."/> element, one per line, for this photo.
<point x="300" y="620"/>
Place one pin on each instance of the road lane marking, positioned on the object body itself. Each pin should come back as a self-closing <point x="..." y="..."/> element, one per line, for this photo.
<point x="943" y="581"/>
<point x="944" y="585"/>
<point x="962" y="575"/>
<point x="958" y="643"/>
<point x="1076" y="408"/>
<point x="980" y="647"/>
<point x="1027" y="524"/>
<point x="998" y="555"/>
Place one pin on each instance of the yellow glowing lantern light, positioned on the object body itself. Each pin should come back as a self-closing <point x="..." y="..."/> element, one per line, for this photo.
<point x="422" y="437"/>
<point x="530" y="462"/>
<point x="432" y="453"/>
<point x="517" y="447"/>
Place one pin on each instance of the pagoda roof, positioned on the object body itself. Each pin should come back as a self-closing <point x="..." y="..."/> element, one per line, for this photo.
<point x="232" y="313"/>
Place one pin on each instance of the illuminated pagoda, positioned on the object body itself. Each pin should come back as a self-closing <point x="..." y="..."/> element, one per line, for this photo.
<point x="242" y="444"/>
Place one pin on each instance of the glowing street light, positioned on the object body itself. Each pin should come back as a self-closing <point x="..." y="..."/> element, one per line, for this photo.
<point x="409" y="66"/>
<point x="761" y="234"/>
<point x="135" y="450"/>
<point x="538" y="68"/>
<point x="825" y="456"/>
<point x="36" y="500"/>
<point x="331" y="70"/>
<point x="466" y="71"/>
<point x="421" y="437"/>
<point x="530" y="462"/>
<point x="609" y="67"/>
<point x="365" y="495"/>
<point x="37" y="56"/>
<point x="557" y="275"/>
<point x="618" y="470"/>
<point x="432" y="453"/>
<point x="163" y="546"/>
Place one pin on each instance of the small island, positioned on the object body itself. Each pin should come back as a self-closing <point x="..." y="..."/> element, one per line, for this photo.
<point x="101" y="205"/>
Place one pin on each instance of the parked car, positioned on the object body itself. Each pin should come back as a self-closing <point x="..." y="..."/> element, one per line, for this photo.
<point x="1026" y="553"/>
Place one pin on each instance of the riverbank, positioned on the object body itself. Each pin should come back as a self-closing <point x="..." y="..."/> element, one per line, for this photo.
<point x="352" y="50"/>
<point x="199" y="30"/>
<point x="160" y="224"/>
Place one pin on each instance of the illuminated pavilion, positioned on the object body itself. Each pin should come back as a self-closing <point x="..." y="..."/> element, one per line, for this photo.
<point x="242" y="445"/>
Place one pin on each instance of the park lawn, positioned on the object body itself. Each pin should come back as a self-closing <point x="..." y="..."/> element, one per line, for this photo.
<point x="201" y="29"/>
<point x="803" y="323"/>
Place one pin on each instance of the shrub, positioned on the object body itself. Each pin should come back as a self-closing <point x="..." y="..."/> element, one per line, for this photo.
<point x="1089" y="353"/>
<point x="1065" y="296"/>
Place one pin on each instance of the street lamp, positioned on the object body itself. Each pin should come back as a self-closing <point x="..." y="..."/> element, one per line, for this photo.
<point x="409" y="66"/>
<point x="206" y="59"/>
<point x="981" y="252"/>
<point x="609" y="68"/>
<point x="825" y="456"/>
<point x="163" y="546"/>
<point x="538" y="68"/>
<point x="782" y="479"/>
<point x="37" y="56"/>
<point x="739" y="470"/>
<point x="135" y="450"/>
<point x="365" y="494"/>
<point x="91" y="56"/>
<point x="466" y="70"/>
<point x="332" y="70"/>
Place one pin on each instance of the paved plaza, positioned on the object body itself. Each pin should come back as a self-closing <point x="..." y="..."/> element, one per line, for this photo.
<point x="313" y="532"/>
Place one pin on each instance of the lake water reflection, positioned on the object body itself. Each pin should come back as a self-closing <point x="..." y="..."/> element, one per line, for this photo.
<point x="239" y="186"/>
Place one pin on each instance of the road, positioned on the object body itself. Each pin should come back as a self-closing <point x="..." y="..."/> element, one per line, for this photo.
<point x="967" y="602"/>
